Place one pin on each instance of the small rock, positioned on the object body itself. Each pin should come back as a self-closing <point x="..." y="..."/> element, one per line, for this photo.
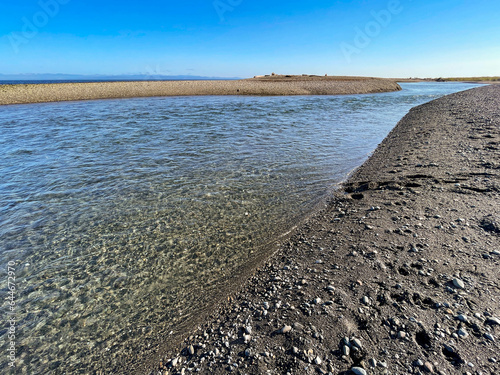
<point x="489" y="337"/>
<point x="359" y="371"/>
<point x="191" y="350"/>
<point x="463" y="333"/>
<point x="458" y="283"/>
<point x="285" y="329"/>
<point x="357" y="343"/>
<point x="372" y="362"/>
<point x="346" y="341"/>
<point x="366" y="301"/>
<point x="428" y="367"/>
<point x="346" y="350"/>
<point x="247" y="338"/>
<point x="493" y="321"/>
<point x="298" y="326"/>
<point x="248" y="353"/>
<point x="318" y="360"/>
<point x="401" y="335"/>
<point x="463" y="318"/>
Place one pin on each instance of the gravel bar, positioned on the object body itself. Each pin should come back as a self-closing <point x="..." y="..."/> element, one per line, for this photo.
<point x="56" y="92"/>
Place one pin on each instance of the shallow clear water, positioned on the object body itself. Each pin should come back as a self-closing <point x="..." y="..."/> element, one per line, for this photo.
<point x="125" y="217"/>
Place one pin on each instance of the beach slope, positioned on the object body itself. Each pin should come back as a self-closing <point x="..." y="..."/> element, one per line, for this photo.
<point x="275" y="85"/>
<point x="398" y="274"/>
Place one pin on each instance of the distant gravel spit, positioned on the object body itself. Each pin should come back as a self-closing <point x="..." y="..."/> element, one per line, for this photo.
<point x="281" y="85"/>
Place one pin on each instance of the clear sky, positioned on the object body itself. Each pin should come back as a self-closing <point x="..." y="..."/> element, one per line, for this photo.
<point x="242" y="38"/>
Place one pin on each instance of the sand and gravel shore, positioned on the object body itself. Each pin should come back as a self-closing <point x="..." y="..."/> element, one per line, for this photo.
<point x="398" y="274"/>
<point x="275" y="85"/>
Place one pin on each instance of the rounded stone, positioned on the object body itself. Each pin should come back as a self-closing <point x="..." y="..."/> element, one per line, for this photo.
<point x="357" y="343"/>
<point x="428" y="367"/>
<point x="359" y="371"/>
<point x="458" y="283"/>
<point x="286" y="329"/>
<point x="493" y="321"/>
<point x="463" y="333"/>
<point x="489" y="337"/>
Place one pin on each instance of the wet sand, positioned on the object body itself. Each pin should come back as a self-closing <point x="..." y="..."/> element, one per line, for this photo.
<point x="279" y="85"/>
<point x="398" y="274"/>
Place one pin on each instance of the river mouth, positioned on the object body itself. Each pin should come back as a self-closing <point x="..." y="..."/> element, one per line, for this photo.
<point x="127" y="219"/>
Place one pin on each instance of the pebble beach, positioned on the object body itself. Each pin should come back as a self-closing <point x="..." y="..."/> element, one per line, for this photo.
<point x="397" y="274"/>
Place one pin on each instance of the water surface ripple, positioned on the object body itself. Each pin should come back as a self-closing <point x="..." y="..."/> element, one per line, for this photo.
<point x="125" y="217"/>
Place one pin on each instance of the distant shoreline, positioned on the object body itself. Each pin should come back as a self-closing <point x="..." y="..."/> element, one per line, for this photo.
<point x="58" y="81"/>
<point x="481" y="80"/>
<point x="259" y="86"/>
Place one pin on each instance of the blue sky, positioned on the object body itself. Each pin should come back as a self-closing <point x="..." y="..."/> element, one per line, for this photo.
<point x="242" y="38"/>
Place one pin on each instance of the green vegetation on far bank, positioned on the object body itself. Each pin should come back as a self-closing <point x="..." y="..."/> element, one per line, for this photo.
<point x="475" y="79"/>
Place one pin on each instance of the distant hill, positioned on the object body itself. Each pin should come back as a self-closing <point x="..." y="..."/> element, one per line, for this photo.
<point x="98" y="77"/>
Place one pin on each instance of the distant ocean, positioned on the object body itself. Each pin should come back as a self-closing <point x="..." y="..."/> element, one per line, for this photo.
<point x="39" y="82"/>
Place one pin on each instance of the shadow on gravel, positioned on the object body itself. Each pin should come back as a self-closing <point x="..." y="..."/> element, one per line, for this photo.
<point x="490" y="224"/>
<point x="452" y="356"/>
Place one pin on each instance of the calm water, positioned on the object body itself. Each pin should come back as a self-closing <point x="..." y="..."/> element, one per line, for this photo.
<point x="123" y="217"/>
